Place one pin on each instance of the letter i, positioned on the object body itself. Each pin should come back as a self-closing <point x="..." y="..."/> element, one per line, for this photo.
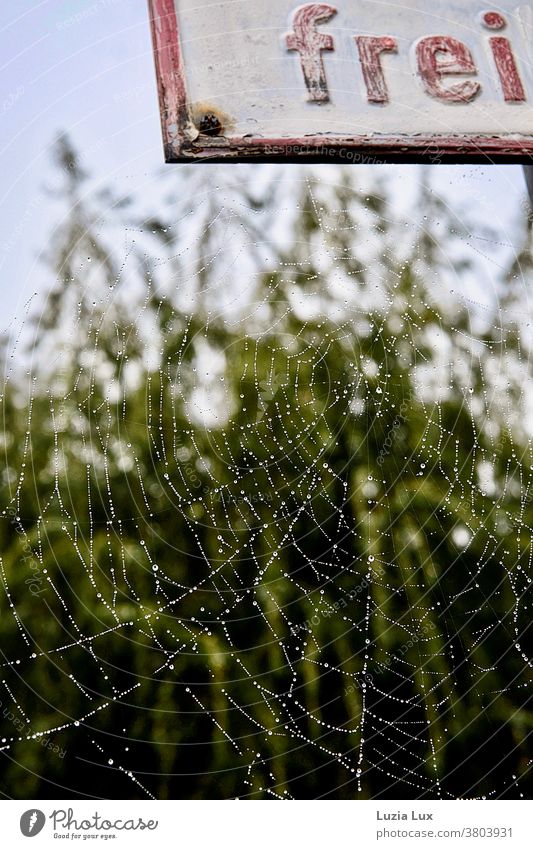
<point x="513" y="90"/>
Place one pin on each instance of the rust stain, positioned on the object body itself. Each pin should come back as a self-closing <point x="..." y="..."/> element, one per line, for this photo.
<point x="210" y="120"/>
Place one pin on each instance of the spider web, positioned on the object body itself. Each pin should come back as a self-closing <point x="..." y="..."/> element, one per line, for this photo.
<point x="270" y="508"/>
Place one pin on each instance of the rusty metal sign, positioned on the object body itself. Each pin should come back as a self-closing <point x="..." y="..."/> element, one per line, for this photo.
<point x="365" y="81"/>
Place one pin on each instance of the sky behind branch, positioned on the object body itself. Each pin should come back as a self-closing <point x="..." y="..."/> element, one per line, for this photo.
<point x="86" y="67"/>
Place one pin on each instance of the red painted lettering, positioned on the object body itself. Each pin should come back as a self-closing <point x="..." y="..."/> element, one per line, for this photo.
<point x="511" y="83"/>
<point x="370" y="50"/>
<point x="513" y="90"/>
<point x="310" y="43"/>
<point x="442" y="55"/>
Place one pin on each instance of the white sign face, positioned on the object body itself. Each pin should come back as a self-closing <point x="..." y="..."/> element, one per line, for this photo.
<point x="351" y="80"/>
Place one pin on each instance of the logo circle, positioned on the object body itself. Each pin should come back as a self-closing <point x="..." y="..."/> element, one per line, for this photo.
<point x="32" y="822"/>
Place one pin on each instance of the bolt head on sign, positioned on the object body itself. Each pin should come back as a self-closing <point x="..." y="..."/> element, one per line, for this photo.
<point x="365" y="81"/>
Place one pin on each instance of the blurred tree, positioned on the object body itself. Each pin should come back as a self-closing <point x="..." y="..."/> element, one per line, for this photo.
<point x="279" y="539"/>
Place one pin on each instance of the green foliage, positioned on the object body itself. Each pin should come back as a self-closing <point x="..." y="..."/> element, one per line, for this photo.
<point x="306" y="592"/>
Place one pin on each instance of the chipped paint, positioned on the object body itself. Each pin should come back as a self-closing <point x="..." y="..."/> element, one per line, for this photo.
<point x="175" y="121"/>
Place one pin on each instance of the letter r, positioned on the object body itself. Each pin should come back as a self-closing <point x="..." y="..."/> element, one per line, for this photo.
<point x="370" y="50"/>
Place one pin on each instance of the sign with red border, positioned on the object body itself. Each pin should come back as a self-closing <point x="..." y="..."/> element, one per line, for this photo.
<point x="366" y="81"/>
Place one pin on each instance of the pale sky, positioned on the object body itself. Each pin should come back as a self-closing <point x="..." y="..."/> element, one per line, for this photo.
<point x="85" y="66"/>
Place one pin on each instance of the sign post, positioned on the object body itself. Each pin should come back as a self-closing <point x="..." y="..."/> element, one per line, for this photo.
<point x="395" y="80"/>
<point x="528" y="174"/>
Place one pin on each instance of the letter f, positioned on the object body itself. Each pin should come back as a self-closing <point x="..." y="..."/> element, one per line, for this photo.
<point x="309" y="43"/>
